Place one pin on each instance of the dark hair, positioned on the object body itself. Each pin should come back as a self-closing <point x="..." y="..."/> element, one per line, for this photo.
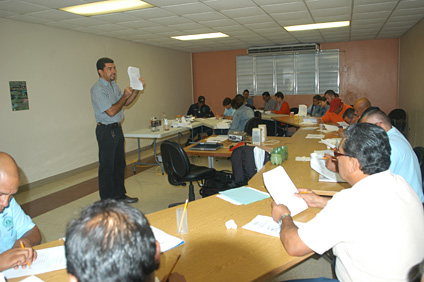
<point x="110" y="241"/>
<point x="101" y="63"/>
<point x="316" y="97"/>
<point x="322" y="98"/>
<point x="369" y="144"/>
<point x="375" y="111"/>
<point x="266" y="93"/>
<point x="246" y="90"/>
<point x="226" y="101"/>
<point x="237" y="102"/>
<point x="350" y="113"/>
<point x="331" y="93"/>
<point x="279" y="95"/>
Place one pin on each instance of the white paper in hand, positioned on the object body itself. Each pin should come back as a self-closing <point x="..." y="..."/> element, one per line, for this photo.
<point x="134" y="75"/>
<point x="282" y="190"/>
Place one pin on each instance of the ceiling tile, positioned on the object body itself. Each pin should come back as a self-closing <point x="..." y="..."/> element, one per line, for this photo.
<point x="253" y="19"/>
<point x="28" y="19"/>
<point x="150" y="13"/>
<point x="408" y="12"/>
<point x="84" y="21"/>
<point x="190" y="8"/>
<point x="410" y="4"/>
<point x="55" y="3"/>
<point x="373" y="15"/>
<point x="20" y="7"/>
<point x="243" y="12"/>
<point x="327" y="4"/>
<point x="385" y="6"/>
<point x="331" y="12"/>
<point x="115" y="18"/>
<point x="139" y="24"/>
<point x="218" y="23"/>
<point x="171" y="20"/>
<point x="205" y="16"/>
<point x="284" y="7"/>
<point x="220" y="5"/>
<point x="54" y="15"/>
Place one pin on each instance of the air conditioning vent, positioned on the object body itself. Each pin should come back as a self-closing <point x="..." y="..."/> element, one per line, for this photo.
<point x="283" y="49"/>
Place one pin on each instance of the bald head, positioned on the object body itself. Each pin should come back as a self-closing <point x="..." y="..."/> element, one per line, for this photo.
<point x="361" y="105"/>
<point x="9" y="179"/>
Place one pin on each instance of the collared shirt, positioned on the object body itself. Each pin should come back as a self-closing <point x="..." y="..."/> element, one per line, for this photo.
<point x="103" y="96"/>
<point x="229" y="112"/>
<point x="270" y="105"/>
<point x="14" y="223"/>
<point x="240" y="118"/>
<point x="380" y="218"/>
<point x="404" y="161"/>
<point x="200" y="111"/>
<point x="317" y="110"/>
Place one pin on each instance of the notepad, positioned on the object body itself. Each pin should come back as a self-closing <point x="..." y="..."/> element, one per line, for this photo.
<point x="166" y="241"/>
<point x="243" y="195"/>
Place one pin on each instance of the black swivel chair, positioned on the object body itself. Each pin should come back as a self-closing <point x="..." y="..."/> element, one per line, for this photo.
<point x="258" y="114"/>
<point x="252" y="123"/>
<point x="398" y="120"/>
<point x="178" y="167"/>
<point x="294" y="110"/>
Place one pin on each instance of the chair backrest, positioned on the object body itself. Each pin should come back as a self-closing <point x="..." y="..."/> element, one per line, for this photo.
<point x="175" y="160"/>
<point x="252" y="123"/>
<point x="258" y="114"/>
<point x="419" y="151"/>
<point x="294" y="110"/>
<point x="398" y="119"/>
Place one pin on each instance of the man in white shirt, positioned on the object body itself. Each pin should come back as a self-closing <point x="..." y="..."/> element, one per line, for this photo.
<point x="375" y="228"/>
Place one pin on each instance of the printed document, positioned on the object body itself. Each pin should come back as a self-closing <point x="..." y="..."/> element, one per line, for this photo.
<point x="134" y="75"/>
<point x="49" y="259"/>
<point x="266" y="225"/>
<point x="165" y="240"/>
<point x="326" y="175"/>
<point x="282" y="190"/>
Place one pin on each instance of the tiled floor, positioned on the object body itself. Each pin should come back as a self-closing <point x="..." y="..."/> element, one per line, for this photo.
<point x="154" y="192"/>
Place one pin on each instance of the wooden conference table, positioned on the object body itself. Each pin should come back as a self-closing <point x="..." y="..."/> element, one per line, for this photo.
<point x="213" y="253"/>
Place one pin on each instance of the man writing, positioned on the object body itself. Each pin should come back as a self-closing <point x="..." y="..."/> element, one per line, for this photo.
<point x="108" y="103"/>
<point x="380" y="218"/>
<point x="112" y="241"/>
<point x="336" y="111"/>
<point x="16" y="227"/>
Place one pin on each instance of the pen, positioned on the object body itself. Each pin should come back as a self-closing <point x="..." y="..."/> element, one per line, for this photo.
<point x="305" y="192"/>
<point x="23" y="248"/>
<point x="182" y="217"/>
<point x="169" y="274"/>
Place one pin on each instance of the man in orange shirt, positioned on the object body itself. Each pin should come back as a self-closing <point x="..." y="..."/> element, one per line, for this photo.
<point x="282" y="106"/>
<point x="336" y="111"/>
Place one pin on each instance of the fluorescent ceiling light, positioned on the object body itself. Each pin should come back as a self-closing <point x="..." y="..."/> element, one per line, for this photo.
<point x="316" y="26"/>
<point x="106" y="7"/>
<point x="200" y="36"/>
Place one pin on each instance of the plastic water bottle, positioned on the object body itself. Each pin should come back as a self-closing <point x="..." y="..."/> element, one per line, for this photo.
<point x="165" y="122"/>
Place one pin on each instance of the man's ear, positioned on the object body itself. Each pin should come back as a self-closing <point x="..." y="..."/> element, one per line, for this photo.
<point x="157" y="254"/>
<point x="354" y="165"/>
<point x="72" y="278"/>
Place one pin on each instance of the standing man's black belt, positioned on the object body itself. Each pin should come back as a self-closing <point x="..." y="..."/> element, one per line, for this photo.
<point x="116" y="124"/>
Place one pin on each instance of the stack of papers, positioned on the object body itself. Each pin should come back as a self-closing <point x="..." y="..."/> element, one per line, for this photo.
<point x="315" y="136"/>
<point x="282" y="190"/>
<point x="331" y="143"/>
<point x="49" y="259"/>
<point x="217" y="139"/>
<point x="266" y="225"/>
<point x="242" y="195"/>
<point x="165" y="240"/>
<point x="326" y="175"/>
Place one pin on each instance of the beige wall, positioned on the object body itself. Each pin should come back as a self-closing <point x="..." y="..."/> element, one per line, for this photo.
<point x="411" y="82"/>
<point x="56" y="134"/>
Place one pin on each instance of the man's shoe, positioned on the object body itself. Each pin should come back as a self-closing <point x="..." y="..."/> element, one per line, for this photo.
<point x="129" y="200"/>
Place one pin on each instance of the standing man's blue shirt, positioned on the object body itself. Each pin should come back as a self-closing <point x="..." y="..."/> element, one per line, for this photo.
<point x="404" y="162"/>
<point x="103" y="96"/>
<point x="14" y="223"/>
<point x="229" y="112"/>
<point x="240" y="118"/>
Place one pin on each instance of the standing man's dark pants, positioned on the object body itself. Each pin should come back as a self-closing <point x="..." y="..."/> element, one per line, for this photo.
<point x="111" y="161"/>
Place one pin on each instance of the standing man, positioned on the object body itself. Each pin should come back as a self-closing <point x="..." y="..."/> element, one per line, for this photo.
<point x="380" y="218"/>
<point x="16" y="227"/>
<point x="108" y="103"/>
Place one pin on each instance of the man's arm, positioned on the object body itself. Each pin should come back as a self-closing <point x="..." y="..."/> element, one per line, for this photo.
<point x="29" y="239"/>
<point x="117" y="107"/>
<point x="288" y="234"/>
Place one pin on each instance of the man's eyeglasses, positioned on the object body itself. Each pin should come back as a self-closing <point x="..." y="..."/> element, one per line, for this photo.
<point x="338" y="154"/>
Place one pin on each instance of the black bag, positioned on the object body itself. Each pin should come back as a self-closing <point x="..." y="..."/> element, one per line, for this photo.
<point x="223" y="180"/>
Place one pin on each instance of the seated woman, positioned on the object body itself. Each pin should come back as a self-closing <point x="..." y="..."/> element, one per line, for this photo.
<point x="242" y="114"/>
<point x="282" y="106"/>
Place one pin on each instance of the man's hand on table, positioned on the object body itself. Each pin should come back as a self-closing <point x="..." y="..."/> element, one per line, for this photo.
<point x="16" y="257"/>
<point x="312" y="199"/>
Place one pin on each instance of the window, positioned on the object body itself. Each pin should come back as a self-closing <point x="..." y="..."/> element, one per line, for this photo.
<point x="291" y="74"/>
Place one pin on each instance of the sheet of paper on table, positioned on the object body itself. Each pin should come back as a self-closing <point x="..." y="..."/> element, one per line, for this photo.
<point x="326" y="175"/>
<point x="314" y="136"/>
<point x="134" y="75"/>
<point x="49" y="259"/>
<point x="165" y="240"/>
<point x="282" y="190"/>
<point x="266" y="225"/>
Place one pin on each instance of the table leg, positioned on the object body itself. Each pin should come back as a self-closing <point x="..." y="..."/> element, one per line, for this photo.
<point x="210" y="162"/>
<point x="138" y="162"/>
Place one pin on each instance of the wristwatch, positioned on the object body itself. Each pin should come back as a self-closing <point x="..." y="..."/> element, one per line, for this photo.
<point x="280" y="222"/>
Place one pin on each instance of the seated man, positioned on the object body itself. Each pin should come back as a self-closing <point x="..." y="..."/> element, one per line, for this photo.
<point x="229" y="111"/>
<point x="329" y="95"/>
<point x="199" y="110"/>
<point x="361" y="105"/>
<point x="282" y="106"/>
<point x="349" y="116"/>
<point x="315" y="110"/>
<point x="112" y="241"/>
<point x="249" y="101"/>
<point x="380" y="218"/>
<point x="269" y="103"/>
<point x="242" y="114"/>
<point x="336" y="111"/>
<point x="16" y="227"/>
<point x="404" y="161"/>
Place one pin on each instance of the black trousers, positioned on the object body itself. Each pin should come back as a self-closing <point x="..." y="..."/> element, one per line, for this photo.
<point x="111" y="161"/>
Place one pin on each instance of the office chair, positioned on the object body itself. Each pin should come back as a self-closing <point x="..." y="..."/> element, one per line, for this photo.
<point x="258" y="114"/>
<point x="178" y="167"/>
<point x="252" y="123"/>
<point x="294" y="110"/>
<point x="398" y="120"/>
